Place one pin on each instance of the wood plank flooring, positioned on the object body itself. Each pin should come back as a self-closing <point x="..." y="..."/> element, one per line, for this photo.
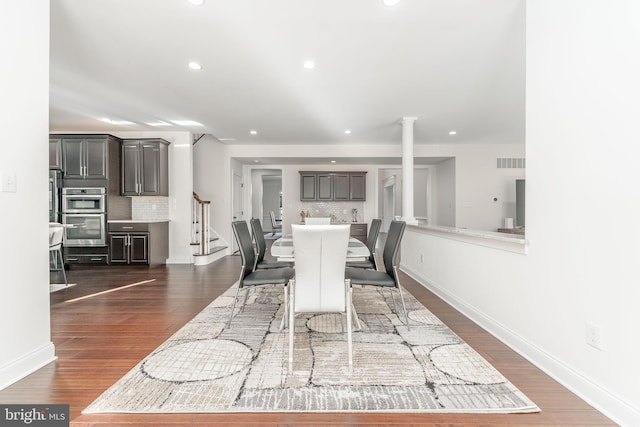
<point x="99" y="339"/>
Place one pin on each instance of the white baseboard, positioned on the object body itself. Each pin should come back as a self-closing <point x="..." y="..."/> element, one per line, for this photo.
<point x="27" y="364"/>
<point x="601" y="399"/>
<point x="180" y="260"/>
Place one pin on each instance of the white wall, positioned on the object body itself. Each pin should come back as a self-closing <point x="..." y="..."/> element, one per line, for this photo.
<point x="25" y="335"/>
<point x="582" y="177"/>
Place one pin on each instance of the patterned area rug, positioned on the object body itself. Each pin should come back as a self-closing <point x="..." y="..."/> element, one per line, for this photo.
<point x="206" y="367"/>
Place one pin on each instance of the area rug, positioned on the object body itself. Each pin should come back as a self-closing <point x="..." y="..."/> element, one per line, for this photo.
<point x="208" y="367"/>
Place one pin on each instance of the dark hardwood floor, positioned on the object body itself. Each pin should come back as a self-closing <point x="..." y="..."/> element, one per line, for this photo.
<point x="98" y="339"/>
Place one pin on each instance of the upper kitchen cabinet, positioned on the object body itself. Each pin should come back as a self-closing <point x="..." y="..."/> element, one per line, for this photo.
<point x="336" y="186"/>
<point x="358" y="186"/>
<point x="308" y="189"/>
<point x="85" y="157"/>
<point x="55" y="153"/>
<point x="144" y="168"/>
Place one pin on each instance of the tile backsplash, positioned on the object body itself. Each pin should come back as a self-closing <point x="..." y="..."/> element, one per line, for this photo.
<point x="342" y="211"/>
<point x="149" y="208"/>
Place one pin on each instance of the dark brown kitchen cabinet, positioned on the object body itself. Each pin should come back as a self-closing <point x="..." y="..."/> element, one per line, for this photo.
<point x="357" y="186"/>
<point x="308" y="186"/>
<point x="138" y="242"/>
<point x="129" y="248"/>
<point x="341" y="186"/>
<point x="359" y="231"/>
<point x="336" y="186"/>
<point x="325" y="190"/>
<point x="85" y="157"/>
<point x="55" y="153"/>
<point x="144" y="169"/>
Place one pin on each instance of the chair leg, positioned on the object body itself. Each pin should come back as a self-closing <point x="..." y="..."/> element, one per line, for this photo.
<point x="64" y="273"/>
<point x="292" y="325"/>
<point x="348" y="306"/>
<point x="233" y="308"/>
<point x="283" y="322"/>
<point x="404" y="307"/>
<point x="355" y="315"/>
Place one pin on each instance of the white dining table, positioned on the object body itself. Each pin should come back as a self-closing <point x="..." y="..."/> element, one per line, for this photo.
<point x="282" y="249"/>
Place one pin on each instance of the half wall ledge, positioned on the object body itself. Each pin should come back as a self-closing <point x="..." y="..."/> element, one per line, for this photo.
<point x="500" y="241"/>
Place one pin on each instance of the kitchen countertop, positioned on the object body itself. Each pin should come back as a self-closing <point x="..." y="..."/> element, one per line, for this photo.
<point x="136" y="221"/>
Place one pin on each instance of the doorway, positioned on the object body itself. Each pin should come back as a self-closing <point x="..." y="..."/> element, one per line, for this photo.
<point x="238" y="203"/>
<point x="266" y="196"/>
<point x="389" y="202"/>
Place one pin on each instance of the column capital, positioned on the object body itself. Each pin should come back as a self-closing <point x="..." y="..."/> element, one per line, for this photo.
<point x="409" y="119"/>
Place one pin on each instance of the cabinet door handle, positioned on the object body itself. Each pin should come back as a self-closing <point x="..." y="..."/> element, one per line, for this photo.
<point x="127" y="228"/>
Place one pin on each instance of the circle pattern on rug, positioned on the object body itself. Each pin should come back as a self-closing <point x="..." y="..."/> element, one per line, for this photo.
<point x="425" y="317"/>
<point x="199" y="360"/>
<point x="461" y="361"/>
<point x="327" y="323"/>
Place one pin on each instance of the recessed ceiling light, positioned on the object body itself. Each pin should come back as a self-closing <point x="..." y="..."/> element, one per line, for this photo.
<point x="309" y="65"/>
<point x="453" y="132"/>
<point x="348" y="132"/>
<point x="159" y="123"/>
<point x="226" y="139"/>
<point x="253" y="132"/>
<point x="196" y="2"/>
<point x="390" y="3"/>
<point x="186" y="123"/>
<point x="116" y="122"/>
<point x="333" y="161"/>
<point x="256" y="161"/>
<point x="195" y="66"/>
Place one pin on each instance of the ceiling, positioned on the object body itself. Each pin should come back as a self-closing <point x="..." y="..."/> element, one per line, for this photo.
<point x="456" y="65"/>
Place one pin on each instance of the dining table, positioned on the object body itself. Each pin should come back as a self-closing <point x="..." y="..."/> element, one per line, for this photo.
<point x="282" y="249"/>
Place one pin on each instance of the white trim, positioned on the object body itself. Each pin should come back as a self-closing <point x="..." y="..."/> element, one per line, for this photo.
<point x="27" y="364"/>
<point x="603" y="400"/>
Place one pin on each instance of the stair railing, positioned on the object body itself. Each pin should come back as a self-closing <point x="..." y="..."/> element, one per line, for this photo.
<point x="200" y="220"/>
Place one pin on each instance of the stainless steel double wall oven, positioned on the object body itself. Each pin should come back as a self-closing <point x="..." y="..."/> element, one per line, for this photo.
<point x="84" y="210"/>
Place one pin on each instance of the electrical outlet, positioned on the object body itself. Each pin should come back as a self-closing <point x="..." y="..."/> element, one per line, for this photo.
<point x="594" y="336"/>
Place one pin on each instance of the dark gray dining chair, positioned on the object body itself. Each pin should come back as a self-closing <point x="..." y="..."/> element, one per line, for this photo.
<point x="389" y="277"/>
<point x="372" y="238"/>
<point x="249" y="276"/>
<point x="261" y="249"/>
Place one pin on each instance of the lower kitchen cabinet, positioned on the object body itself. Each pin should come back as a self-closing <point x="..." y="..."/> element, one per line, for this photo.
<point x="129" y="248"/>
<point x="138" y="242"/>
<point x="359" y="231"/>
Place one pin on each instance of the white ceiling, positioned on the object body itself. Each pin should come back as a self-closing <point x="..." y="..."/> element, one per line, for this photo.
<point x="454" y="64"/>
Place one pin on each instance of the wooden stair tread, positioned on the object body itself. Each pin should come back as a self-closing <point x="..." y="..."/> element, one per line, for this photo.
<point x="212" y="250"/>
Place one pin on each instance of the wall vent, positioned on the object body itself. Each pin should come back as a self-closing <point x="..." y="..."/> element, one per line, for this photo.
<point x="511" y="163"/>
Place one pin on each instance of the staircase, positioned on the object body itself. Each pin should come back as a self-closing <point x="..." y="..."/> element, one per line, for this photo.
<point x="205" y="243"/>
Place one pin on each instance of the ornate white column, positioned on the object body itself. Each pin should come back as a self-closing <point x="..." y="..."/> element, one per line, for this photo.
<point x="407" y="170"/>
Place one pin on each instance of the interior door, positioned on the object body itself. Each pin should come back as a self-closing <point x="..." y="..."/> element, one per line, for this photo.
<point x="237" y="203"/>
